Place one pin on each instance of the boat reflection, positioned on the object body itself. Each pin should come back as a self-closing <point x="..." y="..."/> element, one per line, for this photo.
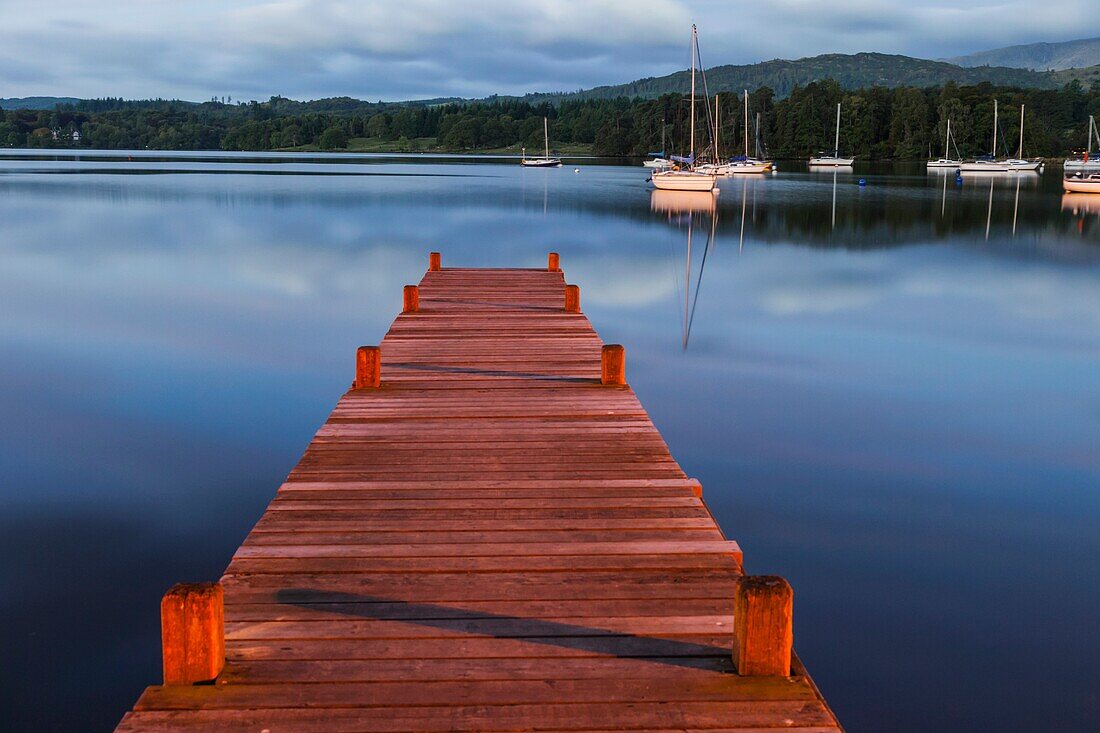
<point x="1030" y="179"/>
<point x="1080" y="204"/>
<point x="689" y="210"/>
<point x="682" y="202"/>
<point x="1016" y="181"/>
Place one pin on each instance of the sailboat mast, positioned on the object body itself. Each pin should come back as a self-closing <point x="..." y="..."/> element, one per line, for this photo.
<point x="947" y="140"/>
<point x="546" y="135"/>
<point x="994" y="151"/>
<point x="746" y="123"/>
<point x="836" y="147"/>
<point x="691" y="151"/>
<point x="757" y="131"/>
<point x="717" y="155"/>
<point x="1020" y="150"/>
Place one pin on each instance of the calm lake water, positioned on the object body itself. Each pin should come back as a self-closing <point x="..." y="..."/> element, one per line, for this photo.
<point x="891" y="394"/>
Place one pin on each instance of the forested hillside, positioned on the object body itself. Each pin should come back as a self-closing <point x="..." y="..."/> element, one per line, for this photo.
<point x="879" y="123"/>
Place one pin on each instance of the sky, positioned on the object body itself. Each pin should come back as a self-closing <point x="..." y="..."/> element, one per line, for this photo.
<point x="379" y="49"/>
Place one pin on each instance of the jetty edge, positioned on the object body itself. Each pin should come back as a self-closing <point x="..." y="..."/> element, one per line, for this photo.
<point x="488" y="533"/>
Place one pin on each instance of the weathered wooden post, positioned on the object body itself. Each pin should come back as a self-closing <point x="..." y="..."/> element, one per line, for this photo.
<point x="553" y="262"/>
<point x="192" y="633"/>
<point x="613" y="364"/>
<point x="572" y="298"/>
<point x="368" y="367"/>
<point x="434" y="262"/>
<point x="762" y="624"/>
<point x="412" y="299"/>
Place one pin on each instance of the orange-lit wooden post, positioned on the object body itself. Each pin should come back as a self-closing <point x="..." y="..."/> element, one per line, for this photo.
<point x="762" y="625"/>
<point x="613" y="364"/>
<point x="368" y="367"/>
<point x="412" y="299"/>
<point x="192" y="633"/>
<point x="572" y="298"/>
<point x="553" y="262"/>
<point x="434" y="262"/>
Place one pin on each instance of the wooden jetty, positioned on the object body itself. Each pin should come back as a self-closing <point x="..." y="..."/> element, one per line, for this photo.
<point x="488" y="533"/>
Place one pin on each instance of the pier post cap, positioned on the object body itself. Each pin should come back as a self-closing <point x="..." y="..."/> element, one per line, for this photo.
<point x="435" y="261"/>
<point x="368" y="367"/>
<point x="411" y="299"/>
<point x="762" y="622"/>
<point x="192" y="628"/>
<point x="553" y="262"/>
<point x="572" y="298"/>
<point x="613" y="364"/>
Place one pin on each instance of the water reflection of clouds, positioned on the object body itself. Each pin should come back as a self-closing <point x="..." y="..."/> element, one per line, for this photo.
<point x="171" y="342"/>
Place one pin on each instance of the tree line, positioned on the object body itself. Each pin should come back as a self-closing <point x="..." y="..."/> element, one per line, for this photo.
<point x="878" y="123"/>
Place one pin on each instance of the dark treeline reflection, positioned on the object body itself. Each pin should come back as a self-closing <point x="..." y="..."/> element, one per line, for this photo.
<point x="896" y="205"/>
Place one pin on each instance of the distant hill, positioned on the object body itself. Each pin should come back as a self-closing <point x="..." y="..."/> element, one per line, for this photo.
<point x="1039" y="56"/>
<point x="35" y="102"/>
<point x="852" y="71"/>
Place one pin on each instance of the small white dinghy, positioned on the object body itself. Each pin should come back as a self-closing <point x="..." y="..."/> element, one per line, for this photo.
<point x="1082" y="182"/>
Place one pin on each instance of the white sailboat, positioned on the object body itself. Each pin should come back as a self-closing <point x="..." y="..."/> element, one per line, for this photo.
<point x="1087" y="162"/>
<point x="746" y="164"/>
<point x="832" y="161"/>
<point x="546" y="161"/>
<point x="686" y="178"/>
<point x="992" y="164"/>
<point x="717" y="168"/>
<point x="658" y="160"/>
<point x="946" y="162"/>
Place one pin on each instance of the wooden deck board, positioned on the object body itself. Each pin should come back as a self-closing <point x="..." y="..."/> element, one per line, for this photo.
<point x="492" y="540"/>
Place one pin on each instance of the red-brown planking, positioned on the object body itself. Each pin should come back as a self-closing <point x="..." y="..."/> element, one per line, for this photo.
<point x="492" y="536"/>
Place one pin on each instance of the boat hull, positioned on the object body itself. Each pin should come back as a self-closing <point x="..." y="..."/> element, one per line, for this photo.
<point x="540" y="163"/>
<point x="944" y="164"/>
<point x="684" y="181"/>
<point x="749" y="167"/>
<point x="1082" y="184"/>
<point x="1000" y="166"/>
<point x="831" y="162"/>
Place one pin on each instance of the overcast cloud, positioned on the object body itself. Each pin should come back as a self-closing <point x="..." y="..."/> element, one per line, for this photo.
<point x="375" y="49"/>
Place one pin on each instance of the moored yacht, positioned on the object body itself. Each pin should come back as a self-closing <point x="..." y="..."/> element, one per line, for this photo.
<point x="746" y="164"/>
<point x="1082" y="182"/>
<point x="546" y="161"/>
<point x="992" y="164"/>
<point x="824" y="160"/>
<point x="684" y="177"/>
<point x="1086" y="162"/>
<point x="946" y="162"/>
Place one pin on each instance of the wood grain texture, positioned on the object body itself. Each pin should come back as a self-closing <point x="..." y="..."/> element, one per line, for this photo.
<point x="488" y="538"/>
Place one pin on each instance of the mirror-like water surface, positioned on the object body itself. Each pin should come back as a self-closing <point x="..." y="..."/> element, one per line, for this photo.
<point x="891" y="394"/>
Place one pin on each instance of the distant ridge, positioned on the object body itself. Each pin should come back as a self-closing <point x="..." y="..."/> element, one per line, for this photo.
<point x="1039" y="56"/>
<point x="852" y="71"/>
<point x="11" y="103"/>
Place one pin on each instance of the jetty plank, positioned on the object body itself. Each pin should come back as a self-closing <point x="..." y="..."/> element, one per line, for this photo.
<point x="490" y="540"/>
